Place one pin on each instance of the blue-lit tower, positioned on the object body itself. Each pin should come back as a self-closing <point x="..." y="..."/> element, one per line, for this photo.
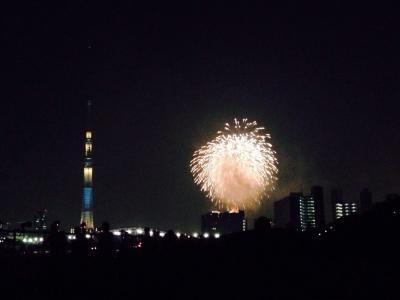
<point x="87" y="197"/>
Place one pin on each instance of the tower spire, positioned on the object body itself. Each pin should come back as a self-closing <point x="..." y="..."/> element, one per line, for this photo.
<point x="89" y="115"/>
<point x="87" y="196"/>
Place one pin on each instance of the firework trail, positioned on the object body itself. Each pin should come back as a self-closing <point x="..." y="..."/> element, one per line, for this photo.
<point x="238" y="167"/>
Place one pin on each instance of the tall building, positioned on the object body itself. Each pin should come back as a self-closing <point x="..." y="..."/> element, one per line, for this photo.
<point x="336" y="197"/>
<point x="40" y="220"/>
<point x="296" y="212"/>
<point x="307" y="213"/>
<point x="225" y="222"/>
<point x="344" y="209"/>
<point x="365" y="200"/>
<point x="287" y="211"/>
<point x="317" y="193"/>
<point x="210" y="221"/>
<point x="341" y="208"/>
<point x="87" y="195"/>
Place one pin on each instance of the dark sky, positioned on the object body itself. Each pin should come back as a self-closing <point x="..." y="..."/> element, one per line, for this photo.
<point x="324" y="80"/>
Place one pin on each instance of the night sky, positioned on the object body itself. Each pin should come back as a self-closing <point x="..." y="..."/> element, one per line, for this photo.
<point x="324" y="81"/>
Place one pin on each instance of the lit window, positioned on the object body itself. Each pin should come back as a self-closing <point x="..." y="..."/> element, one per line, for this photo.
<point x="88" y="134"/>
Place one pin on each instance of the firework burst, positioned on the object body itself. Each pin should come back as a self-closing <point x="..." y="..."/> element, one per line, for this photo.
<point x="238" y="168"/>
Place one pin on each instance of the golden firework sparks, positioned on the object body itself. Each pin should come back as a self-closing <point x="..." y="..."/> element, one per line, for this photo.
<point x="238" y="168"/>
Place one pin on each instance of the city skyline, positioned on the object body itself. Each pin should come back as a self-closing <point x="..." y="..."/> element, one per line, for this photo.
<point x="326" y="90"/>
<point x="196" y="150"/>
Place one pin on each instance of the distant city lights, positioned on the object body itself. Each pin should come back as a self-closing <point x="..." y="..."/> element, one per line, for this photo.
<point x="30" y="240"/>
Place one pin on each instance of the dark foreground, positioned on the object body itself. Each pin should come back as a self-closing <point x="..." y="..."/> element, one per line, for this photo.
<point x="358" y="258"/>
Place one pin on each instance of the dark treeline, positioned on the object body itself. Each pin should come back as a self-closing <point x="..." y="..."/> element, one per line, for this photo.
<point x="356" y="257"/>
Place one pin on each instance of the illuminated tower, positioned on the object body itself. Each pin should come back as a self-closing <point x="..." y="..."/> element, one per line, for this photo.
<point x="87" y="197"/>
